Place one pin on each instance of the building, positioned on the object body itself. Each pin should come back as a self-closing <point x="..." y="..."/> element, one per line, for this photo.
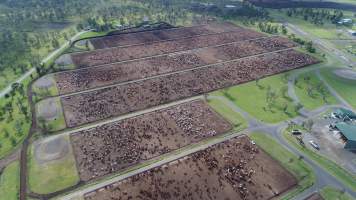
<point x="348" y="134"/>
<point x="345" y="114"/>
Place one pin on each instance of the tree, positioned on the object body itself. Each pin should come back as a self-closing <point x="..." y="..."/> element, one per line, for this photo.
<point x="308" y="124"/>
<point x="13" y="141"/>
<point x="284" y="92"/>
<point x="18" y="128"/>
<point x="44" y="126"/>
<point x="309" y="47"/>
<point x="284" y="30"/>
<point x="6" y="133"/>
<point x="298" y="107"/>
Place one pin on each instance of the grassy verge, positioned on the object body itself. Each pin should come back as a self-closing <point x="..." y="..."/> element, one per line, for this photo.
<point x="329" y="193"/>
<point x="234" y="118"/>
<point x="291" y="162"/>
<point x="266" y="99"/>
<point x="10" y="182"/>
<point x="344" y="87"/>
<point x="311" y="92"/>
<point x="53" y="175"/>
<point x="330" y="166"/>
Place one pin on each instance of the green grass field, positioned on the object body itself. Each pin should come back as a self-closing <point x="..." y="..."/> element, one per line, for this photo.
<point x="329" y="193"/>
<point x="309" y="90"/>
<point x="291" y="162"/>
<point x="10" y="182"/>
<point x="52" y="176"/>
<point x="234" y="118"/>
<point x="345" y="88"/>
<point x="334" y="169"/>
<point x="253" y="99"/>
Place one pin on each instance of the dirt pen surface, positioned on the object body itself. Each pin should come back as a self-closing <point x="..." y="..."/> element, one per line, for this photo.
<point x="232" y="170"/>
<point x="159" y="35"/>
<point x="111" y="55"/>
<point x="115" y="146"/>
<point x="104" y="103"/>
<point x="88" y="78"/>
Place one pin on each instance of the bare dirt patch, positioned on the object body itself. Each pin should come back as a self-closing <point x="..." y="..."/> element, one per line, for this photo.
<point x="108" y="102"/>
<point x="346" y="73"/>
<point x="88" y="78"/>
<point x="158" y="35"/>
<point x="44" y="83"/>
<point x="64" y="60"/>
<point x="48" y="109"/>
<point x="106" y="56"/>
<point x="115" y="146"/>
<point x="231" y="170"/>
<point x="50" y="149"/>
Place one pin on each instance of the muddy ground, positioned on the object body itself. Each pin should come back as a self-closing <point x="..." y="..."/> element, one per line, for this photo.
<point x="115" y="146"/>
<point x="159" y="35"/>
<point x="109" y="102"/>
<point x="232" y="170"/>
<point x="88" y="78"/>
<point x="111" y="55"/>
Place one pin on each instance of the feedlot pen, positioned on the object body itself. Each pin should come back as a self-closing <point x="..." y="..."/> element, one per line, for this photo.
<point x="231" y="170"/>
<point x="136" y="73"/>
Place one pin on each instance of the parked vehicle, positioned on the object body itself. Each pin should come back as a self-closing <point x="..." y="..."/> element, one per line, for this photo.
<point x="315" y="145"/>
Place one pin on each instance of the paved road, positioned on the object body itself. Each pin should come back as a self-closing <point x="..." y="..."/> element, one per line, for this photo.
<point x="32" y="70"/>
<point x="341" y="56"/>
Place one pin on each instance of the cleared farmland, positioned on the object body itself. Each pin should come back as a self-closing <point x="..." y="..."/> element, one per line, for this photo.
<point x="108" y="102"/>
<point x="159" y="35"/>
<point x="232" y="170"/>
<point x="118" y="54"/>
<point x="115" y="146"/>
<point x="88" y="78"/>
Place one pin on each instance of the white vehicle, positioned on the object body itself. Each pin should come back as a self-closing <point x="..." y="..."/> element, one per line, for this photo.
<point x="253" y="142"/>
<point x="313" y="144"/>
<point x="333" y="115"/>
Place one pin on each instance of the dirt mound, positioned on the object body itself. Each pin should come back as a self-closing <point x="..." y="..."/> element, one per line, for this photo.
<point x="50" y="149"/>
<point x="64" y="60"/>
<point x="48" y="109"/>
<point x="346" y="73"/>
<point x="44" y="82"/>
